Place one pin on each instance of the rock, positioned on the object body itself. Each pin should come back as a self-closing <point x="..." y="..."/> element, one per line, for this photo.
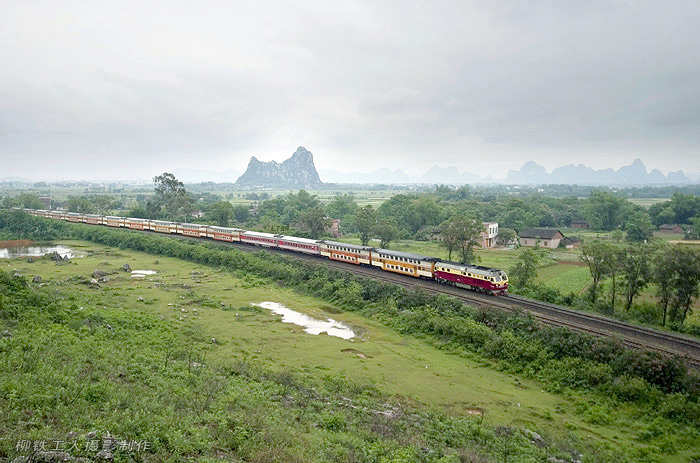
<point x="140" y="299"/>
<point x="36" y="279"/>
<point x="56" y="257"/>
<point x="105" y="455"/>
<point x="30" y="260"/>
<point x="297" y="171"/>
<point x="94" y="282"/>
<point x="156" y="262"/>
<point x="534" y="437"/>
<point x="6" y="334"/>
<point x="126" y="268"/>
<point x="103" y="280"/>
<point x="91" y="434"/>
<point x="98" y="274"/>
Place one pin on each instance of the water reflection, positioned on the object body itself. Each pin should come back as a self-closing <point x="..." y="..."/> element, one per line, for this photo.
<point x="38" y="251"/>
<point x="311" y="325"/>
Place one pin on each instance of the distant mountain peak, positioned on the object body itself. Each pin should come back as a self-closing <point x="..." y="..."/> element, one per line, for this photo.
<point x="298" y="171"/>
<point x="634" y="174"/>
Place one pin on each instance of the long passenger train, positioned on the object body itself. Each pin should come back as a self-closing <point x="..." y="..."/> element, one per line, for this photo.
<point x="472" y="277"/>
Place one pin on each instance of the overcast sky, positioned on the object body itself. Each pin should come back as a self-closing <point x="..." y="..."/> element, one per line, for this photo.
<point x="129" y="89"/>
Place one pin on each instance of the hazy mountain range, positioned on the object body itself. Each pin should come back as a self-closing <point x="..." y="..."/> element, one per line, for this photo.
<point x="530" y="174"/>
<point x="634" y="174"/>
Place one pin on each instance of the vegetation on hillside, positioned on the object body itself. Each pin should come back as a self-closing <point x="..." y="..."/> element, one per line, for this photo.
<point x="650" y="386"/>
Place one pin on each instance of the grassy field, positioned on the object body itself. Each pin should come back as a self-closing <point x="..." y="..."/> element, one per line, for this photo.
<point x="214" y="305"/>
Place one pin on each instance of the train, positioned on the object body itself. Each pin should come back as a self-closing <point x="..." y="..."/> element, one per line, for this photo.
<point x="471" y="277"/>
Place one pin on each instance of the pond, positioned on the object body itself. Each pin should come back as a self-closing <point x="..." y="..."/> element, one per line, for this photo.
<point x="142" y="273"/>
<point x="38" y="251"/>
<point x="311" y="325"/>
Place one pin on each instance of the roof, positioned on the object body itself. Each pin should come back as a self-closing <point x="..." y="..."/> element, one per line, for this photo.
<point x="477" y="269"/>
<point x="258" y="234"/>
<point x="580" y="221"/>
<point x="224" y="229"/>
<point x="346" y="245"/>
<point x="405" y="255"/>
<point x="542" y="233"/>
<point x="295" y="239"/>
<point x="571" y="240"/>
<point x="669" y="226"/>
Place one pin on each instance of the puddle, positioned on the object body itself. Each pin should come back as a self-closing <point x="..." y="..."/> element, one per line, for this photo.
<point x="311" y="325"/>
<point x="142" y="273"/>
<point x="38" y="251"/>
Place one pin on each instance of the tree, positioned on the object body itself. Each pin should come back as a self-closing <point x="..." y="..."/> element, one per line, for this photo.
<point x="170" y="194"/>
<point x="221" y="213"/>
<point x="636" y="271"/>
<point x="314" y="221"/>
<point x="272" y="224"/>
<point x="365" y="221"/>
<point x="662" y="276"/>
<point x="612" y="269"/>
<point x="387" y="230"/>
<point x="80" y="204"/>
<point x="685" y="206"/>
<point x="597" y="256"/>
<point x="449" y="236"/>
<point x="464" y="231"/>
<point x="241" y="213"/>
<point x="694" y="231"/>
<point x="342" y="206"/>
<point x="25" y="200"/>
<point x="505" y="236"/>
<point x="685" y="282"/>
<point x="605" y="211"/>
<point x="103" y="204"/>
<point x="639" y="227"/>
<point x="524" y="273"/>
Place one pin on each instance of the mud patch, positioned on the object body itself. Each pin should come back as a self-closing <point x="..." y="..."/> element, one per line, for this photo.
<point x="359" y="354"/>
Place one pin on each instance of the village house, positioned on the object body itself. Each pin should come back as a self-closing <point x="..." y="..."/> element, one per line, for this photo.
<point x="671" y="228"/>
<point x="579" y="223"/>
<point x="545" y="237"/>
<point x="488" y="236"/>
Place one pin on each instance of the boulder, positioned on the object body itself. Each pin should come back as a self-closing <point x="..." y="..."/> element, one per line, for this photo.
<point x="36" y="279"/>
<point x="126" y="268"/>
<point x="98" y="274"/>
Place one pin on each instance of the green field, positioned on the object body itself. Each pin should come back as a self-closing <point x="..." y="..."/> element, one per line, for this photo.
<point x="211" y="304"/>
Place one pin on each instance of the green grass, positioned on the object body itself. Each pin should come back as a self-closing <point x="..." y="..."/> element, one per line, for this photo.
<point x="410" y="370"/>
<point x="567" y="278"/>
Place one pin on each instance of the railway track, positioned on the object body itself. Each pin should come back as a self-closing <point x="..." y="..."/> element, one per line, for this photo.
<point x="633" y="336"/>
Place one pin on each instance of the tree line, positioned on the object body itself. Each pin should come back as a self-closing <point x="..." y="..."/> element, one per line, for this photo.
<point x="674" y="271"/>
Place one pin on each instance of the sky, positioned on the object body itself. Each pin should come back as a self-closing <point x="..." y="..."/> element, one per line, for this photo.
<point x="129" y="89"/>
